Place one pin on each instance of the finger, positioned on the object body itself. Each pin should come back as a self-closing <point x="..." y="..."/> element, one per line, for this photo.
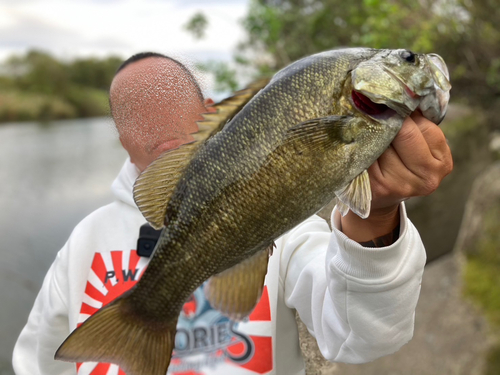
<point x="391" y="177"/>
<point x="413" y="149"/>
<point x="434" y="137"/>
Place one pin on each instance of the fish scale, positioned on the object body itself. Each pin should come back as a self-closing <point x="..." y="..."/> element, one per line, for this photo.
<point x="296" y="144"/>
<point x="249" y="129"/>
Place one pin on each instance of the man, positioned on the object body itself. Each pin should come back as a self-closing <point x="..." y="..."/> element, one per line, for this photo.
<point x="358" y="301"/>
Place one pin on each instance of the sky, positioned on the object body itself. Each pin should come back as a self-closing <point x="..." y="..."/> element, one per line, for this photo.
<point x="82" y="28"/>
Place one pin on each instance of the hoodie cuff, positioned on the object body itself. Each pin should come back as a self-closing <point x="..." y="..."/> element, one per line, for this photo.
<point x="379" y="264"/>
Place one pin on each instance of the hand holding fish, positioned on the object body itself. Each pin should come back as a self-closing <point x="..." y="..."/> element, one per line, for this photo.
<point x="414" y="165"/>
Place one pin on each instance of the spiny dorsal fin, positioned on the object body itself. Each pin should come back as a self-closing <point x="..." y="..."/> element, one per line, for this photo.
<point x="236" y="291"/>
<point x="155" y="185"/>
<point x="229" y="107"/>
<point x="356" y="196"/>
<point x="153" y="188"/>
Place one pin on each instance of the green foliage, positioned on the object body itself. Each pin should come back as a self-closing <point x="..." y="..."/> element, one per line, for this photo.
<point x="38" y="72"/>
<point x="289" y="29"/>
<point x="88" y="102"/>
<point x="225" y="77"/>
<point x="482" y="280"/>
<point x="93" y="72"/>
<point x="493" y="361"/>
<point x="36" y="86"/>
<point x="22" y="106"/>
<point x="464" y="32"/>
<point x="197" y="25"/>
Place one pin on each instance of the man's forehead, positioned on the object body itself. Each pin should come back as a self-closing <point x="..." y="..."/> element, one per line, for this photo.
<point x="150" y="73"/>
<point x="154" y="99"/>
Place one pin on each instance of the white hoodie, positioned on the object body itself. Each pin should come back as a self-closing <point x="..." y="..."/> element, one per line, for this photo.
<point x="359" y="303"/>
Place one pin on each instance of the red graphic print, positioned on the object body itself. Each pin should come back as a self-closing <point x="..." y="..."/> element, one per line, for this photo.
<point x="262" y="361"/>
<point x="110" y="276"/>
<point x="115" y="272"/>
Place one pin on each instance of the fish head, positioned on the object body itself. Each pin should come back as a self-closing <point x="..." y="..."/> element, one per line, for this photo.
<point x="394" y="83"/>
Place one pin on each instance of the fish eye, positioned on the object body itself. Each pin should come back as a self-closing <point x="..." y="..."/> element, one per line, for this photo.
<point x="408" y="56"/>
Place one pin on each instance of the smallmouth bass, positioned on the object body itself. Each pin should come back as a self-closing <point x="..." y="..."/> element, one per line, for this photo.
<point x="306" y="136"/>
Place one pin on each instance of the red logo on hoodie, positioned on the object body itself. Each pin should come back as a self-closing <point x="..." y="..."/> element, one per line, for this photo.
<point x="113" y="273"/>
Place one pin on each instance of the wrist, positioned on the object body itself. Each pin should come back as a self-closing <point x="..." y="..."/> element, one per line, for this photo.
<point x="376" y="228"/>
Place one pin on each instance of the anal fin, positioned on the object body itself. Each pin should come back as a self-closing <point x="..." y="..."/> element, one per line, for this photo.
<point x="356" y="196"/>
<point x="236" y="291"/>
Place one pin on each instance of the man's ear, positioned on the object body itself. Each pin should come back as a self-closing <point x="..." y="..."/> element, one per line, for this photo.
<point x="123" y="143"/>
<point x="125" y="146"/>
<point x="208" y="103"/>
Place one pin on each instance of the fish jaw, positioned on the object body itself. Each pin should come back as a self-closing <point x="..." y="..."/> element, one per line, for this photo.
<point x="435" y="105"/>
<point x="381" y="86"/>
<point x="401" y="86"/>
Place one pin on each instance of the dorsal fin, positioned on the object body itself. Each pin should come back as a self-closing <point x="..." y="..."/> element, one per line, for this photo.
<point x="229" y="107"/>
<point x="154" y="187"/>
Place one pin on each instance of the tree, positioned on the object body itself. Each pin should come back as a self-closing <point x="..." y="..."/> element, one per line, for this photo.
<point x="465" y="33"/>
<point x="197" y="25"/>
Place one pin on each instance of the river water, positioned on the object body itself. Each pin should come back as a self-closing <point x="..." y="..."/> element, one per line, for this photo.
<point x="52" y="175"/>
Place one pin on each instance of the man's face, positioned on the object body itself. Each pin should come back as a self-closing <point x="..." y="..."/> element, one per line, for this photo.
<point x="155" y="107"/>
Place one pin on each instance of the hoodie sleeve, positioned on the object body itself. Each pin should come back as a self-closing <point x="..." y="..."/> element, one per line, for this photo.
<point x="47" y="327"/>
<point x="359" y="303"/>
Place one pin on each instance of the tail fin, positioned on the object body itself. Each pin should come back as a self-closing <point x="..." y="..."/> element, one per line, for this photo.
<point x="113" y="335"/>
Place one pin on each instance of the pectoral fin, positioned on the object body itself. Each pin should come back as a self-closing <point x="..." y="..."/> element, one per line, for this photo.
<point x="356" y="196"/>
<point x="236" y="291"/>
<point x="320" y="132"/>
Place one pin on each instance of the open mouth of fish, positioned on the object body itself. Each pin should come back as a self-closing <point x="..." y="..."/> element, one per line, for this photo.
<point x="365" y="105"/>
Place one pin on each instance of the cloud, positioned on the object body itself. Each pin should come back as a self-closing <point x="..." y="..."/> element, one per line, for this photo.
<point x="204" y="3"/>
<point x="8" y="2"/>
<point x="28" y="31"/>
<point x="122" y="27"/>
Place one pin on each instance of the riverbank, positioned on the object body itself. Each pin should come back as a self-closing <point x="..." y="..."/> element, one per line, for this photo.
<point x="16" y="105"/>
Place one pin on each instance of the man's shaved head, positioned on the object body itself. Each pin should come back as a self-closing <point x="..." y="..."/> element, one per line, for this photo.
<point x="155" y="102"/>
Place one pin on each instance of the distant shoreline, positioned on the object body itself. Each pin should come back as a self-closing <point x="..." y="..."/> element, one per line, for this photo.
<point x="18" y="106"/>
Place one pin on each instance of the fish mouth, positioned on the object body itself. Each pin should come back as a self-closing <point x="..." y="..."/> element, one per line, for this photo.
<point x="370" y="108"/>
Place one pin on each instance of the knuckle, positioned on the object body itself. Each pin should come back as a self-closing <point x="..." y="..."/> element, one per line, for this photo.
<point x="441" y="137"/>
<point x="437" y="134"/>
<point x="449" y="163"/>
<point x="406" y="134"/>
<point x="405" y="189"/>
<point x="379" y="190"/>
<point x="447" y="167"/>
<point x="408" y="190"/>
<point x="431" y="185"/>
<point x="426" y="165"/>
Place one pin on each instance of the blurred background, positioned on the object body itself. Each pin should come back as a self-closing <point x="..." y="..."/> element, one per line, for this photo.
<point x="59" y="152"/>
